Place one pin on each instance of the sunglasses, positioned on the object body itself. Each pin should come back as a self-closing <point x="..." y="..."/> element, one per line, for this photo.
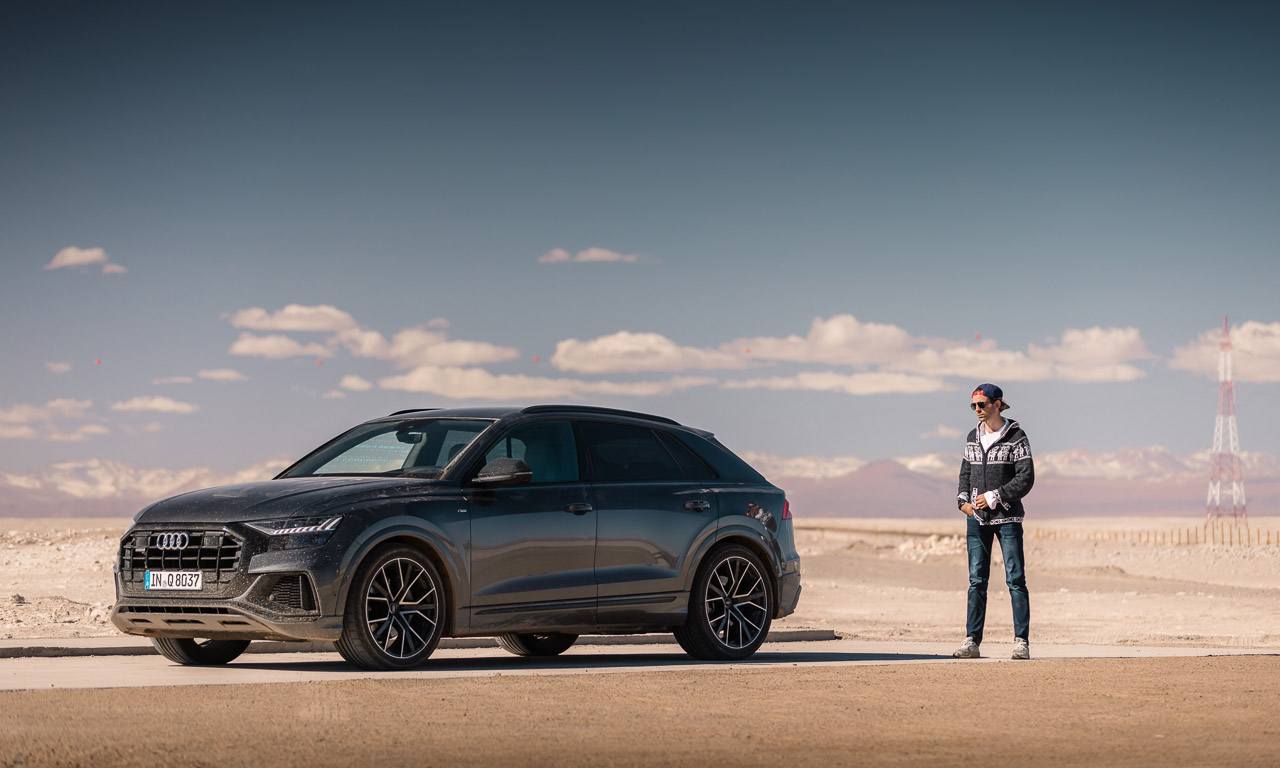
<point x="983" y="404"/>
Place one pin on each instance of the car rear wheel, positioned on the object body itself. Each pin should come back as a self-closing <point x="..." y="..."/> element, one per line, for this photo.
<point x="550" y="644"/>
<point x="182" y="650"/>
<point x="394" y="612"/>
<point x="730" y="607"/>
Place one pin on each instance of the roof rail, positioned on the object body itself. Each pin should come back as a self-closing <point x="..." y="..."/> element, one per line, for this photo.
<point x="598" y="409"/>
<point x="412" y="410"/>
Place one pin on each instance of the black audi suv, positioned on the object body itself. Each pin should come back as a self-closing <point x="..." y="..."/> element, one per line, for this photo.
<point x="534" y="525"/>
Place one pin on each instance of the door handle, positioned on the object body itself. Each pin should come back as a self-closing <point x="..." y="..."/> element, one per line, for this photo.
<point x="579" y="509"/>
<point x="697" y="506"/>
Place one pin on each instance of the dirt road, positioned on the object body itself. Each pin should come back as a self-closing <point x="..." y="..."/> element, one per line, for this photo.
<point x="1220" y="711"/>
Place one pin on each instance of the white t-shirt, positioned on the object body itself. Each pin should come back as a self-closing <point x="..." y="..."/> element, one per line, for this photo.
<point x="988" y="439"/>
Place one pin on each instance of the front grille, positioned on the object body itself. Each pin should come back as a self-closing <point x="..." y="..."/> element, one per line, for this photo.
<point x="294" y="592"/>
<point x="216" y="553"/>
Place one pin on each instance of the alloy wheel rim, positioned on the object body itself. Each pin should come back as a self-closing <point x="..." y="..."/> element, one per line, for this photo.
<point x="737" y="602"/>
<point x="402" y="608"/>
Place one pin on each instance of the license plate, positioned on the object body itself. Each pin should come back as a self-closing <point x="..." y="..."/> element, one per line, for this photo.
<point x="189" y="580"/>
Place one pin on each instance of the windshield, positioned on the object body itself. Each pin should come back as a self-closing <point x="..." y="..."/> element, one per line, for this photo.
<point x="418" y="448"/>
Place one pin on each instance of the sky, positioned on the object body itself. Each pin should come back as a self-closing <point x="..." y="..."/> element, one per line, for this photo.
<point x="230" y="231"/>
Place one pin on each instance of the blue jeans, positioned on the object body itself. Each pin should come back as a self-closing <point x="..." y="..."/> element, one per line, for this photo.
<point x="980" y="540"/>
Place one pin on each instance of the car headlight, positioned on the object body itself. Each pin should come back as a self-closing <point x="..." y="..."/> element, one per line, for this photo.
<point x="297" y="532"/>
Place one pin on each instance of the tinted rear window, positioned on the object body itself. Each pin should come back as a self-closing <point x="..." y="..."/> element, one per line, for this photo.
<point x="623" y="453"/>
<point x="694" y="468"/>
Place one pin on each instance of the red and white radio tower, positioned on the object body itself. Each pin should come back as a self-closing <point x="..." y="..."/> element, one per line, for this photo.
<point x="1225" y="460"/>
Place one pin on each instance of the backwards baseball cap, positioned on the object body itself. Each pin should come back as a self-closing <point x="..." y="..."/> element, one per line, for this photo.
<point x="992" y="392"/>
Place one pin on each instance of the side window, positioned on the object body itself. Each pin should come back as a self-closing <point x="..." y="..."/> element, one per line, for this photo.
<point x="694" y="468"/>
<point x="620" y="452"/>
<point x="547" y="447"/>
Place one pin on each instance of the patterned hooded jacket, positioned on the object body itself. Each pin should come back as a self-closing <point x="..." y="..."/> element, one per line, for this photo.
<point x="1005" y="468"/>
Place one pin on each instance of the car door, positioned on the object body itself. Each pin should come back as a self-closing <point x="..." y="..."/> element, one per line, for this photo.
<point x="533" y="545"/>
<point x="650" y="517"/>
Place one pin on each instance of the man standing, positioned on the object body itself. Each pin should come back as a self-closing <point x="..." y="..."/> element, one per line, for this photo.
<point x="994" y="476"/>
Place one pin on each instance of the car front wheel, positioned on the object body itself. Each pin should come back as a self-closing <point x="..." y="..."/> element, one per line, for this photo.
<point x="199" y="652"/>
<point x="394" y="613"/>
<point x="730" y="607"/>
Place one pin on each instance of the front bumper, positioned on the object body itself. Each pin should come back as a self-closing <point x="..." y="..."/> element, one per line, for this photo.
<point x="257" y="594"/>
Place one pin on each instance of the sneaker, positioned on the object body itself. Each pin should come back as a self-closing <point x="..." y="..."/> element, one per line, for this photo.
<point x="968" y="650"/>
<point x="1020" y="649"/>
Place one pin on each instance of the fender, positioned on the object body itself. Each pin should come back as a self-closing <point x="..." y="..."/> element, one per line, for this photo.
<point x="423" y="531"/>
<point x="738" y="527"/>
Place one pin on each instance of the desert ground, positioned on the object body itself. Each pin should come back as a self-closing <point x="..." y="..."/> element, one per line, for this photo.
<point x="1105" y="582"/>
<point x="1091" y="581"/>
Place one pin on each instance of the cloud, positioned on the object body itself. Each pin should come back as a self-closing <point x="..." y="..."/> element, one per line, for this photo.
<point x="222" y="374"/>
<point x="1257" y="357"/>
<point x="79" y="435"/>
<point x="439" y="322"/>
<point x="355" y="383"/>
<point x="413" y="347"/>
<point x="333" y="394"/>
<point x="942" y="430"/>
<point x="17" y="432"/>
<point x="944" y="464"/>
<point x="104" y="479"/>
<point x="160" y="404"/>
<point x="839" y="340"/>
<point x="23" y="413"/>
<point x="294" y="317"/>
<point x="275" y="347"/>
<point x="625" y="351"/>
<point x="479" y="384"/>
<point x="83" y="257"/>
<point x="872" y="383"/>
<point x="560" y="256"/>
<point x="58" y="367"/>
<point x="173" y="380"/>
<point x="809" y="467"/>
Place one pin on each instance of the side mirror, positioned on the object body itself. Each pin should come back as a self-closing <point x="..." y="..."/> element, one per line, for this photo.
<point x="500" y="473"/>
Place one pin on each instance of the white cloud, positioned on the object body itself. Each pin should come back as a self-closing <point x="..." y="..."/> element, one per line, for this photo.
<point x="23" y="413"/>
<point x="17" y="432"/>
<point x="77" y="257"/>
<point x="560" y="255"/>
<point x="942" y="430"/>
<point x="275" y="347"/>
<point x="79" y="435"/>
<point x="1257" y="357"/>
<point x="625" y="351"/>
<point x="83" y="257"/>
<point x="872" y="383"/>
<point x="479" y="384"/>
<point x="439" y="322"/>
<point x="173" y="380"/>
<point x="808" y="467"/>
<point x="355" y="383"/>
<point x="942" y="464"/>
<point x="294" y="317"/>
<point x="839" y="340"/>
<point x="413" y="347"/>
<point x="103" y="479"/>
<point x="333" y="394"/>
<point x="222" y="374"/>
<point x="58" y="367"/>
<point x="160" y="404"/>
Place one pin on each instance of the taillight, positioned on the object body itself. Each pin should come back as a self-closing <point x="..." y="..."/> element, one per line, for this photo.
<point x="786" y="509"/>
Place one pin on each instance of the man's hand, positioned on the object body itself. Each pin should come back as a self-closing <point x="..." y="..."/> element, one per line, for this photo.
<point x="967" y="509"/>
<point x="980" y="502"/>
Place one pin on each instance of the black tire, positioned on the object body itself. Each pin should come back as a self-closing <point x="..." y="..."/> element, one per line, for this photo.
<point x="731" y="607"/>
<point x="183" y="650"/>
<point x="550" y="644"/>
<point x="395" y="611"/>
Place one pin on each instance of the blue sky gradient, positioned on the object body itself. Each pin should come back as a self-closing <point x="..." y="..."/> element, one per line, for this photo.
<point x="1011" y="170"/>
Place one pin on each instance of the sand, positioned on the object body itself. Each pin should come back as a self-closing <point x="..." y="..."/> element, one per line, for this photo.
<point x="868" y="578"/>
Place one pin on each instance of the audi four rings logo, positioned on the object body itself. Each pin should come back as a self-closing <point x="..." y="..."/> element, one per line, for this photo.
<point x="172" y="540"/>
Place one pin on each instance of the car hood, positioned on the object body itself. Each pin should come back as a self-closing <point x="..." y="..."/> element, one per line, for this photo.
<point x="286" y="497"/>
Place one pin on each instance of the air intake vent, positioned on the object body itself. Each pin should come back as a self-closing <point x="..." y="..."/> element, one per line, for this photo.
<point x="294" y="592"/>
<point x="217" y="553"/>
